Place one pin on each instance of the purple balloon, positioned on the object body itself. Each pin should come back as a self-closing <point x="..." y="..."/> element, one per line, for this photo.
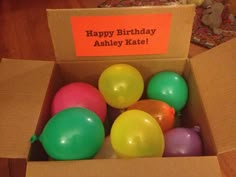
<point x="183" y="142"/>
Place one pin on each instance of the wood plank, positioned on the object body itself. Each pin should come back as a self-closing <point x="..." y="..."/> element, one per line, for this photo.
<point x="24" y="30"/>
<point x="4" y="168"/>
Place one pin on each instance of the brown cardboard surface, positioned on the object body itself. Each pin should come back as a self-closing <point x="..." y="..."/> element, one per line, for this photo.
<point x="89" y="71"/>
<point x="142" y="167"/>
<point x="72" y="71"/>
<point x="215" y="75"/>
<point x="22" y="93"/>
<point x="227" y="162"/>
<point x="181" y="28"/>
<point x="195" y="112"/>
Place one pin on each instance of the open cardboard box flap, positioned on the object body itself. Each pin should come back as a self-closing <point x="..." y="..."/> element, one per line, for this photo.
<point x="179" y="37"/>
<point x="148" y="167"/>
<point x="26" y="84"/>
<point x="215" y="76"/>
<point x="22" y="93"/>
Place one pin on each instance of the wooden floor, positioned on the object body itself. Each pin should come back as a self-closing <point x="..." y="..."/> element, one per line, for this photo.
<point x="24" y="31"/>
<point x="24" y="34"/>
<point x="23" y="27"/>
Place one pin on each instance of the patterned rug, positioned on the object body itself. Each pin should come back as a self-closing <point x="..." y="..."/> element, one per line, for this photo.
<point x="129" y="3"/>
<point x="201" y="34"/>
<point x="204" y="36"/>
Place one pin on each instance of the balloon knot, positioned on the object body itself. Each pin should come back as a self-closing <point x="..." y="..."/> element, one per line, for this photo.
<point x="33" y="138"/>
<point x="197" y="129"/>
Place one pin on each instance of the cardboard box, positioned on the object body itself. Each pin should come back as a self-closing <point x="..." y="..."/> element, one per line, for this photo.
<point x="27" y="89"/>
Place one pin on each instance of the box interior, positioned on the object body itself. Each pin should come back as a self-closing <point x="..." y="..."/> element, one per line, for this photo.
<point x="89" y="71"/>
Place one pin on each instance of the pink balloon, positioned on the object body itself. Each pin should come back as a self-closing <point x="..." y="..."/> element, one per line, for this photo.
<point x="183" y="142"/>
<point x="79" y="94"/>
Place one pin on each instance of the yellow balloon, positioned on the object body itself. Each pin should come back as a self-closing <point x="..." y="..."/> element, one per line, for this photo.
<point x="136" y="133"/>
<point x="121" y="85"/>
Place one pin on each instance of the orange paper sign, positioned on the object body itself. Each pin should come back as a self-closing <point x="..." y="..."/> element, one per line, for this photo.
<point x="121" y="35"/>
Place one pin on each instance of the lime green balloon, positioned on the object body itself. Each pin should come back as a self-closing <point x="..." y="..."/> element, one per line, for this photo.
<point x="121" y="85"/>
<point x="169" y="87"/>
<point x="136" y="133"/>
<point x="72" y="134"/>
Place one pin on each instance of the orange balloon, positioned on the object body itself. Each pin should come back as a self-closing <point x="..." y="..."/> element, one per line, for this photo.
<point x="161" y="111"/>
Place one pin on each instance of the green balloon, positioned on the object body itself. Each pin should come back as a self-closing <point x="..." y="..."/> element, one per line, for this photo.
<point x="72" y="134"/>
<point x="169" y="87"/>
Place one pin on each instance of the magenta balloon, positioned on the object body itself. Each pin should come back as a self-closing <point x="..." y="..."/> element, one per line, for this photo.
<point x="182" y="142"/>
<point x="79" y="94"/>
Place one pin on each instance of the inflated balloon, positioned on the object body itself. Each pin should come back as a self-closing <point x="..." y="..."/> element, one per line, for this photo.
<point x="73" y="133"/>
<point x="161" y="111"/>
<point x="79" y="94"/>
<point x="136" y="133"/>
<point x="121" y="85"/>
<point x="106" y="152"/>
<point x="169" y="87"/>
<point x="183" y="142"/>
